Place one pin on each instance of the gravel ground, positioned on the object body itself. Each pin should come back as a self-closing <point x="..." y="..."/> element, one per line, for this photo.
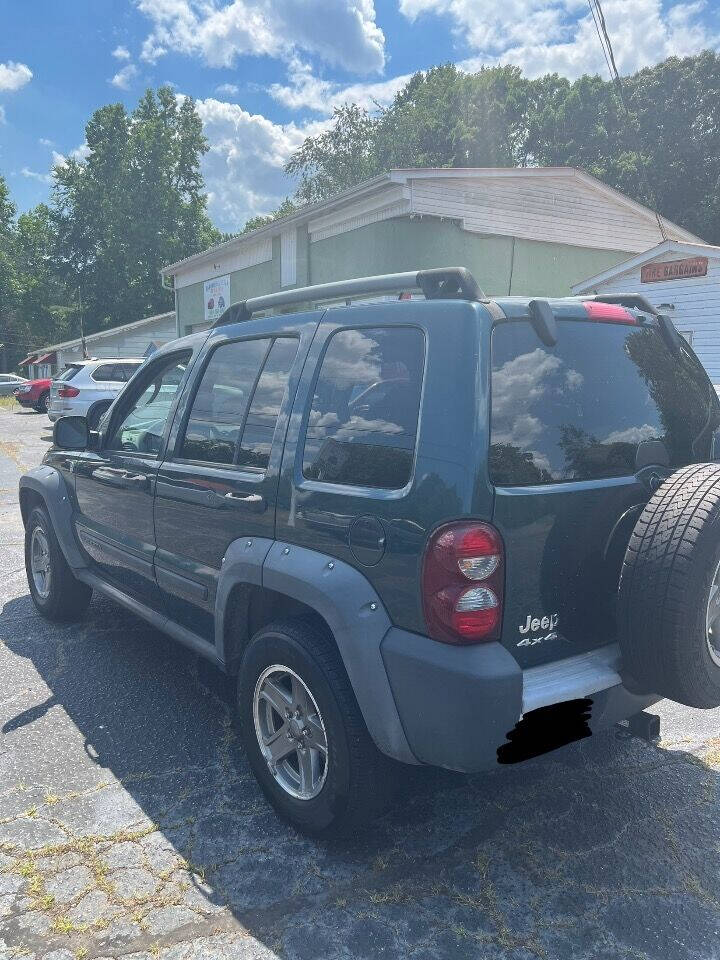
<point x="130" y="825"/>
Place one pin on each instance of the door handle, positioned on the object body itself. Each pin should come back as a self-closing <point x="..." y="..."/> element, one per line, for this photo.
<point x="120" y="478"/>
<point x="136" y="480"/>
<point x="252" y="501"/>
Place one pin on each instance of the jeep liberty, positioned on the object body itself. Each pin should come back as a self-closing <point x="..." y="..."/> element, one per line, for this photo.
<point x="408" y="527"/>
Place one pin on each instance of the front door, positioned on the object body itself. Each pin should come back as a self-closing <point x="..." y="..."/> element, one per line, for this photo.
<point x="114" y="485"/>
<point x="220" y="478"/>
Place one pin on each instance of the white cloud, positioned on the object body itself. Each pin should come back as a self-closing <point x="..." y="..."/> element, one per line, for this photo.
<point x="121" y="53"/>
<point x="13" y="76"/>
<point x="308" y="91"/>
<point x="230" y="89"/>
<point x="124" y="77"/>
<point x="34" y="175"/>
<point x="643" y="32"/>
<point x="81" y="152"/>
<point x="44" y="142"/>
<point x="340" y="32"/>
<point x="244" y="167"/>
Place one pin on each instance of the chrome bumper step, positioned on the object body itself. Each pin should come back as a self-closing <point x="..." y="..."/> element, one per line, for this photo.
<point x="572" y="678"/>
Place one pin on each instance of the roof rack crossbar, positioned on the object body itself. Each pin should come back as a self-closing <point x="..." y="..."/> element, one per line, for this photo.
<point x="446" y="283"/>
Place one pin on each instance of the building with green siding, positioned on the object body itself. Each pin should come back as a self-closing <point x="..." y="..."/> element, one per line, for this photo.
<point x="520" y="231"/>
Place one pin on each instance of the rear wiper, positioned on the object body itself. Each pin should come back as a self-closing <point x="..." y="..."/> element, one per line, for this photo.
<point x="543" y="322"/>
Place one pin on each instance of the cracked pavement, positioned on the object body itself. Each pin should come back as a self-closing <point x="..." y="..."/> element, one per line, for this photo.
<point x="130" y="825"/>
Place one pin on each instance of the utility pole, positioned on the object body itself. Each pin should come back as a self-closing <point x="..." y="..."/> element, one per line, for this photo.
<point x="82" y="331"/>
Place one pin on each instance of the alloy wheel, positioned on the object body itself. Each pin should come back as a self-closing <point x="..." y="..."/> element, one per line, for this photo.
<point x="40" y="562"/>
<point x="712" y="618"/>
<point x="290" y="732"/>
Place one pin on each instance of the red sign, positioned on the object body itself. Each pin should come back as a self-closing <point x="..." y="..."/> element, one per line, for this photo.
<point x="674" y="270"/>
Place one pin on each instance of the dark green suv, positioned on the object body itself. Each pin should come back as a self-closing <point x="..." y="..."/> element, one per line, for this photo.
<point x="444" y="530"/>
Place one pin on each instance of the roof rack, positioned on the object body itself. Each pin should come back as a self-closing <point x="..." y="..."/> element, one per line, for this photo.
<point x="445" y="283"/>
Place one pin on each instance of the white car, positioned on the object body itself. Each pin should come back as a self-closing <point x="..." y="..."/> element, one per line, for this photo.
<point x="88" y="387"/>
<point x="8" y="382"/>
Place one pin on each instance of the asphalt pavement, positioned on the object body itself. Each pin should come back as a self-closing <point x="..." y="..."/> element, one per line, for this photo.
<point x="130" y="825"/>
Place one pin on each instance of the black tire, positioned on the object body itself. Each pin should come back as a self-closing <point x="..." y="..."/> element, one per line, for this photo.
<point x="94" y="414"/>
<point x="43" y="402"/>
<point x="355" y="789"/>
<point x="67" y="598"/>
<point x="665" y="584"/>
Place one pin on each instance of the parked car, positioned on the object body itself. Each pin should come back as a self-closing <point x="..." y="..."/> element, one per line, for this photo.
<point x="34" y="394"/>
<point x="94" y="386"/>
<point x="454" y="531"/>
<point x="8" y="383"/>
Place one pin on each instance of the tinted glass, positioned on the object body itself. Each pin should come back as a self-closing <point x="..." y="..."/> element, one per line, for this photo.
<point x="265" y="406"/>
<point x="363" y="419"/>
<point x="218" y="410"/>
<point x="68" y="374"/>
<point x="127" y="370"/>
<point x="108" y="372"/>
<point x="580" y="409"/>
<point x="142" y="427"/>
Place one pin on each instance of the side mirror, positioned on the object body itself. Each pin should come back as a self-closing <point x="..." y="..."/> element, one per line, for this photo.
<point x="71" y="433"/>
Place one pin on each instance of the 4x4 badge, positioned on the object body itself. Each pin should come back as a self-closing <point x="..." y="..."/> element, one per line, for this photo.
<point x="533" y="624"/>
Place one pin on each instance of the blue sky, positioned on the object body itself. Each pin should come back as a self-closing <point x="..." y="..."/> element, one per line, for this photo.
<point x="266" y="73"/>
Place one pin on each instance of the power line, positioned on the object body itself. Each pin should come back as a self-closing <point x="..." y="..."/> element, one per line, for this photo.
<point x="606" y="44"/>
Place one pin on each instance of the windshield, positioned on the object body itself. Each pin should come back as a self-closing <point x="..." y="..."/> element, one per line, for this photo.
<point x="581" y="409"/>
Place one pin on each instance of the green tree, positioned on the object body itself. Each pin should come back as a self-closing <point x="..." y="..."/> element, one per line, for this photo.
<point x="134" y="204"/>
<point x="337" y="159"/>
<point x="254" y="223"/>
<point x="8" y="279"/>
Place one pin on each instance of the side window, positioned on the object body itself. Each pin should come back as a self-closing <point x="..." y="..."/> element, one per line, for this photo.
<point x="106" y="372"/>
<point x="264" y="410"/>
<point x="142" y="427"/>
<point x="127" y="370"/>
<point x="363" y="419"/>
<point x="218" y="411"/>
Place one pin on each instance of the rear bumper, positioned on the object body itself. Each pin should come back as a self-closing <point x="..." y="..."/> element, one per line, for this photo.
<point x="457" y="705"/>
<point x="59" y="409"/>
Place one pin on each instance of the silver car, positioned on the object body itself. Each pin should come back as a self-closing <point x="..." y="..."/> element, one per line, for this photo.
<point x="8" y="382"/>
<point x="88" y="387"/>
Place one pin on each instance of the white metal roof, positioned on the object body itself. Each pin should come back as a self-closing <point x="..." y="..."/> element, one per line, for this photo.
<point x="688" y="249"/>
<point x="101" y="334"/>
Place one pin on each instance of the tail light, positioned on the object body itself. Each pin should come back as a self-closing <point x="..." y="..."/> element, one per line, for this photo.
<point x="68" y="392"/>
<point x="462" y="583"/>
<point x="609" y="313"/>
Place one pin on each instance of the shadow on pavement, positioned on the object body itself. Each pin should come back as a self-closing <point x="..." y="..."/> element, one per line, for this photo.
<point x="604" y="849"/>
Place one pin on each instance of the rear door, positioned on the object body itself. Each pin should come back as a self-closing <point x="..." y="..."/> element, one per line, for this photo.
<point x="581" y="434"/>
<point x="220" y="482"/>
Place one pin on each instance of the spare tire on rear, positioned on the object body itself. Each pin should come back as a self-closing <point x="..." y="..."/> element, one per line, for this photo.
<point x="669" y="595"/>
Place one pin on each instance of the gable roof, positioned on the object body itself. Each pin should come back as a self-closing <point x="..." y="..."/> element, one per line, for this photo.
<point x="403" y="178"/>
<point x="667" y="246"/>
<point x="101" y="334"/>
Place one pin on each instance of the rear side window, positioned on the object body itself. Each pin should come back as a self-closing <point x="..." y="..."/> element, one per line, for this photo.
<point x="363" y="419"/>
<point x="235" y="410"/>
<point x="107" y="373"/>
<point x="580" y="409"/>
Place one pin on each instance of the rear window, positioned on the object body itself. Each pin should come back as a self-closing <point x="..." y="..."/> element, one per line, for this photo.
<point x="68" y="374"/>
<point x="579" y="410"/>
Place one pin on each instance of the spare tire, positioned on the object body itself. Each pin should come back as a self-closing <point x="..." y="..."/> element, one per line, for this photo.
<point x="669" y="594"/>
